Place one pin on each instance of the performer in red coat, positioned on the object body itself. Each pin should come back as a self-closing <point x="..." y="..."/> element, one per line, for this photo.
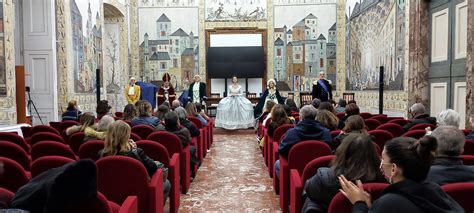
<point x="166" y="92"/>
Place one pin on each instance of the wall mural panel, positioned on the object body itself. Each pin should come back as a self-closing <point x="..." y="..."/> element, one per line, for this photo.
<point x="304" y="44"/>
<point x="3" y="71"/>
<point x="168" y="3"/>
<point x="168" y="44"/>
<point x="112" y="60"/>
<point x="375" y="36"/>
<point x="86" y="22"/>
<point x="236" y="10"/>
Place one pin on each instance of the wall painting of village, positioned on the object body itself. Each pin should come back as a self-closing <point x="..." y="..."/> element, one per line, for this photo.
<point x="375" y="36"/>
<point x="304" y="44"/>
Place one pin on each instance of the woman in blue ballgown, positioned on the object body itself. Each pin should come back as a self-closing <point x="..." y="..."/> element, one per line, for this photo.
<point x="234" y="111"/>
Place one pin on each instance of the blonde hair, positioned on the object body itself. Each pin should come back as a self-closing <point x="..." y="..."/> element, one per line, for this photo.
<point x="87" y="120"/>
<point x="116" y="139"/>
<point x="191" y="109"/>
<point x="271" y="80"/>
<point x="104" y="123"/>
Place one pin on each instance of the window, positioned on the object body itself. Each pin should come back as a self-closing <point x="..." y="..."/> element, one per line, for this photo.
<point x="312" y="55"/>
<point x="278" y="52"/>
<point x="175" y="63"/>
<point x="163" y="33"/>
<point x="331" y="63"/>
<point x="161" y="26"/>
<point x="297" y="56"/>
<point x="171" y="41"/>
<point x="176" y="42"/>
<point x="163" y="65"/>
<point x="321" y="45"/>
<point x="313" y="22"/>
<point x="321" y="60"/>
<point x="176" y="51"/>
<point x="153" y="49"/>
<point x="166" y="26"/>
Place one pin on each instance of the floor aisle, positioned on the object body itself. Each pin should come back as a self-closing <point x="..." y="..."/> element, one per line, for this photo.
<point x="233" y="178"/>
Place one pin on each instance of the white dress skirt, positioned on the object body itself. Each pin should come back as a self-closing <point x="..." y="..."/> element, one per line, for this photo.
<point x="235" y="111"/>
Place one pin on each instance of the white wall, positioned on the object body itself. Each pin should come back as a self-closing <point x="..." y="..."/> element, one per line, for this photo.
<point x="218" y="85"/>
<point x="236" y="40"/>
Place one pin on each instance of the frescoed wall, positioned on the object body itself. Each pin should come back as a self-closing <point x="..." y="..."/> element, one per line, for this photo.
<point x="236" y="10"/>
<point x="7" y="99"/>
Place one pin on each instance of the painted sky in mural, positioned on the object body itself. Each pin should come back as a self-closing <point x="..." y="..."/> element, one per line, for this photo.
<point x="236" y="10"/>
<point x="304" y="44"/>
<point x="168" y="44"/>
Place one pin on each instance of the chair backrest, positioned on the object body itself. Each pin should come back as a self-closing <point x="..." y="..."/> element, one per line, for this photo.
<point x="117" y="185"/>
<point x="76" y="140"/>
<point x="381" y="118"/>
<point x="280" y="132"/>
<point x="305" y="98"/>
<point x="340" y="115"/>
<point x="304" y="152"/>
<point x="55" y="125"/>
<point x="215" y="95"/>
<point x="335" y="133"/>
<point x="6" y="196"/>
<point x="399" y="121"/>
<point x="422" y="126"/>
<point x="66" y="124"/>
<point x="51" y="148"/>
<point x="468" y="147"/>
<point x="372" y="123"/>
<point x="119" y="114"/>
<point x="44" y="128"/>
<point x="468" y="160"/>
<point x="168" y="140"/>
<point x="461" y="193"/>
<point x="195" y="121"/>
<point x="395" y="129"/>
<point x="380" y="137"/>
<point x="26" y="131"/>
<point x="142" y="130"/>
<point x="365" y="115"/>
<point x="14" y="176"/>
<point x="341" y="204"/>
<point x="155" y="151"/>
<point x="90" y="149"/>
<point x="312" y="167"/>
<point x="466" y="132"/>
<point x="100" y="204"/>
<point x="16" y="153"/>
<point x="417" y="133"/>
<point x="135" y="137"/>
<point x="269" y="121"/>
<point x="15" y="138"/>
<point x="45" y="163"/>
<point x="45" y="136"/>
<point x="251" y="95"/>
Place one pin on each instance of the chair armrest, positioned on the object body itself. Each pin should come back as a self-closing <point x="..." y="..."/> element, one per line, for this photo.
<point x="296" y="190"/>
<point x="130" y="205"/>
<point x="155" y="192"/>
<point x="173" y="174"/>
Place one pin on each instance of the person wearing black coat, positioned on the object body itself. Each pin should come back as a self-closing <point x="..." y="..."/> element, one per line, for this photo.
<point x="185" y="122"/>
<point x="420" y="116"/>
<point x="197" y="94"/>
<point x="72" y="113"/>
<point x="271" y="94"/>
<point x="322" y="89"/>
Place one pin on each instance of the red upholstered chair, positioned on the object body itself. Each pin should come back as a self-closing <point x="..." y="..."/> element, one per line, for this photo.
<point x="16" y="153"/>
<point x="51" y="148"/>
<point x="395" y="129"/>
<point x="158" y="152"/>
<point x="200" y="142"/>
<point x="468" y="160"/>
<point x="300" y="155"/>
<point x="16" y="139"/>
<point x="55" y="125"/>
<point x="130" y="205"/>
<point x="119" y="114"/>
<point x="341" y="204"/>
<point x="26" y="131"/>
<point x="66" y="124"/>
<point x="142" y="130"/>
<point x="399" y="121"/>
<point x="96" y="205"/>
<point x="417" y="134"/>
<point x="6" y="197"/>
<point x="365" y="115"/>
<point x="173" y="145"/>
<point x="273" y="148"/>
<point x="14" y="175"/>
<point x="461" y="193"/>
<point x="75" y="141"/>
<point x="297" y="180"/>
<point x="335" y="133"/>
<point x="43" y="128"/>
<point x="135" y="137"/>
<point x="372" y="123"/>
<point x="381" y="118"/>
<point x="468" y="147"/>
<point x="45" y="163"/>
<point x="90" y="149"/>
<point x="45" y="136"/>
<point x="340" y="115"/>
<point x="422" y="127"/>
<point x="466" y="132"/>
<point x="380" y="137"/>
<point x="120" y="177"/>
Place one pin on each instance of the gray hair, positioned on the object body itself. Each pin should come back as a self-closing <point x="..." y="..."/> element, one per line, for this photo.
<point x="308" y="112"/>
<point x="104" y="123"/>
<point x="175" y="104"/>
<point x="316" y="102"/>
<point x="450" y="141"/>
<point x="448" y="117"/>
<point x="418" y="109"/>
<point x="181" y="112"/>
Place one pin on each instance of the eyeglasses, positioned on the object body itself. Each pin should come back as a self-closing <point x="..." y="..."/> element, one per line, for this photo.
<point x="382" y="163"/>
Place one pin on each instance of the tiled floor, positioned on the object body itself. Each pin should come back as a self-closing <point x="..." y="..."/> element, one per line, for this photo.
<point x="233" y="178"/>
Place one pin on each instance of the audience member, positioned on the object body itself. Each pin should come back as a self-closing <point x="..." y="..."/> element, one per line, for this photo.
<point x="288" y="113"/>
<point x="144" y="115"/>
<point x="351" y="109"/>
<point x="292" y="105"/>
<point x="72" y="113"/>
<point x="316" y="102"/>
<point x="352" y="102"/>
<point x="118" y="142"/>
<point x="175" y="104"/>
<point x="354" y="124"/>
<point x="307" y="129"/>
<point x="130" y="112"/>
<point x="191" y="110"/>
<point x="419" y="115"/>
<point x="356" y="159"/>
<point x="448" y="117"/>
<point x="102" y="127"/>
<point x="103" y="108"/>
<point x="448" y="166"/>
<point x="162" y="110"/>
<point x="199" y="109"/>
<point x="341" y="106"/>
<point x="87" y="125"/>
<point x="327" y="119"/>
<point x="279" y="118"/>
<point x="405" y="164"/>
<point x="183" y="120"/>
<point x="471" y="135"/>
<point x="327" y="106"/>
<point x="333" y="103"/>
<point x="266" y="111"/>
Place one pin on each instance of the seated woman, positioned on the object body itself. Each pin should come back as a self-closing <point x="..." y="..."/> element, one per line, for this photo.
<point x="266" y="111"/>
<point x="191" y="110"/>
<point x="118" y="142"/>
<point x="341" y="106"/>
<point x="144" y="115"/>
<point x="327" y="119"/>
<point x="405" y="164"/>
<point x="130" y="112"/>
<point x="292" y="105"/>
<point x="102" y="127"/>
<point x="351" y="109"/>
<point x="356" y="159"/>
<point x="162" y="110"/>
<point x="234" y="111"/>
<point x="279" y="118"/>
<point x="199" y="109"/>
<point x="87" y="125"/>
<point x="288" y="113"/>
<point x="183" y="120"/>
<point x="103" y="108"/>
<point x="72" y="113"/>
<point x="354" y="124"/>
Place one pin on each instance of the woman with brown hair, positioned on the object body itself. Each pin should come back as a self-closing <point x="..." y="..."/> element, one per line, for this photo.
<point x="191" y="110"/>
<point x="327" y="119"/>
<point x="144" y="115"/>
<point x="354" y="124"/>
<point x="356" y="159"/>
<point x="351" y="109"/>
<point x="279" y="118"/>
<point x="130" y="112"/>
